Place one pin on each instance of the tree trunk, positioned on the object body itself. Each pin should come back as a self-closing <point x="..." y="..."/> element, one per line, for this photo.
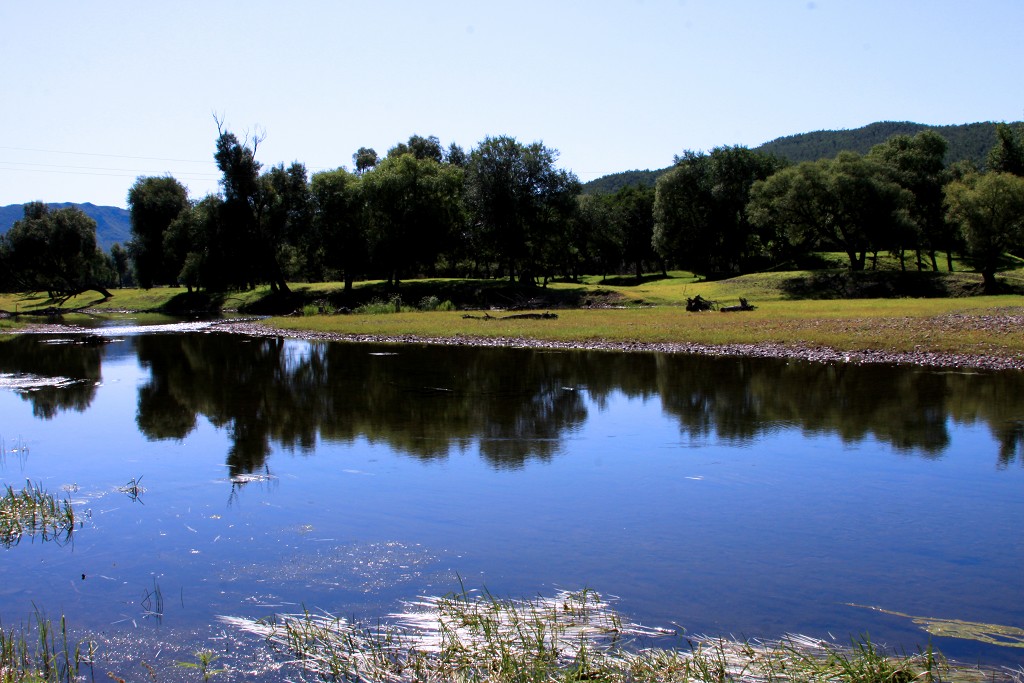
<point x="988" y="277"/>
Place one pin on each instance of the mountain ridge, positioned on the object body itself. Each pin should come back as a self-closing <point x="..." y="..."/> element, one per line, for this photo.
<point x="113" y="224"/>
<point x="967" y="141"/>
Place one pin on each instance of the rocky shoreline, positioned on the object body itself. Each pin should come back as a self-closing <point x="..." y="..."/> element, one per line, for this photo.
<point x="814" y="354"/>
<point x="760" y="350"/>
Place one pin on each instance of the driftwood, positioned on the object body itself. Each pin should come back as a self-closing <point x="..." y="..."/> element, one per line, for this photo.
<point x="517" y="316"/>
<point x="743" y="306"/>
<point x="699" y="303"/>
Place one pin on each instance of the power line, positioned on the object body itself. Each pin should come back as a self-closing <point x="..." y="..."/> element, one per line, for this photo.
<point x="29" y="167"/>
<point x="117" y="174"/>
<point x="96" y="154"/>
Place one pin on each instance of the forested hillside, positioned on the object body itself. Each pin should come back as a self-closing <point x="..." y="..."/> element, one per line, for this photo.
<point x="113" y="224"/>
<point x="970" y="141"/>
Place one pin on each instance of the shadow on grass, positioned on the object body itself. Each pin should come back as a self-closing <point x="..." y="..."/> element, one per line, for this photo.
<point x="845" y="284"/>
<point x="192" y="303"/>
<point x="633" y="281"/>
<point x="464" y="294"/>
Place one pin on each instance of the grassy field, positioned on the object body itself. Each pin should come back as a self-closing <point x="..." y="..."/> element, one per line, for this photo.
<point x="828" y="308"/>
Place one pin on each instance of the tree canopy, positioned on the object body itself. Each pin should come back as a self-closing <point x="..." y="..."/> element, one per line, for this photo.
<point x="55" y="252"/>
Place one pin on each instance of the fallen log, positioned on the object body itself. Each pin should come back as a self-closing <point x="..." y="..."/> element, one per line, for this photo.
<point x="517" y="316"/>
<point x="743" y="306"/>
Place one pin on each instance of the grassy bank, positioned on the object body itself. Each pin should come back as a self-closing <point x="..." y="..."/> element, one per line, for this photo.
<point x="912" y="312"/>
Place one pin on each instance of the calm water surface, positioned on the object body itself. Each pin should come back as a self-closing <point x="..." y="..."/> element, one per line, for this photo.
<point x="725" y="496"/>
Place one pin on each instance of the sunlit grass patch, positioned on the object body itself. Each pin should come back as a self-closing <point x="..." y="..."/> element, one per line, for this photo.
<point x="573" y="636"/>
<point x="33" y="512"/>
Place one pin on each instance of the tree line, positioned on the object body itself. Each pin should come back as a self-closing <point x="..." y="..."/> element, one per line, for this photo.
<point x="505" y="210"/>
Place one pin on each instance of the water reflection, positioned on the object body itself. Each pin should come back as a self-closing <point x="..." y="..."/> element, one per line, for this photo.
<point x="73" y="362"/>
<point x="513" y="405"/>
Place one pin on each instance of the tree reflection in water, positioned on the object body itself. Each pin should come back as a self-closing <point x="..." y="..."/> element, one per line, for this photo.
<point x="512" y="405"/>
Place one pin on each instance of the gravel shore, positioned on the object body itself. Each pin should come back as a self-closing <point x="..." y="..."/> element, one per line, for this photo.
<point x="1003" y="323"/>
<point x="761" y="350"/>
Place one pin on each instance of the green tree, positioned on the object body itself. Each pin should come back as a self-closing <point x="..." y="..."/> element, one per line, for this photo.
<point x="235" y="250"/>
<point x="153" y="203"/>
<point x="1007" y="155"/>
<point x="120" y="262"/>
<point x="254" y="215"/>
<point x="846" y="203"/>
<point x="340" y="223"/>
<point x="414" y="210"/>
<point x="420" y="147"/>
<point x="55" y="252"/>
<point x="917" y="165"/>
<point x="989" y="209"/>
<point x="364" y="159"/>
<point x="700" y="214"/>
<point x="521" y="204"/>
<point x="286" y="221"/>
<point x="188" y="244"/>
<point x="599" y="233"/>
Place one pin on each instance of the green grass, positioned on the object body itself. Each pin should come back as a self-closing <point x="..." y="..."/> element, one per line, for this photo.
<point x="824" y="308"/>
<point x="977" y="325"/>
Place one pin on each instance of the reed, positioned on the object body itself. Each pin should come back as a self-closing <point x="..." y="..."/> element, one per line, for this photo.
<point x="33" y="512"/>
<point x="573" y="636"/>
<point x="42" y="653"/>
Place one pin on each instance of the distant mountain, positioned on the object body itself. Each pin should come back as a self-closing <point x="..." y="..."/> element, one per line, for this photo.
<point x="113" y="224"/>
<point x="966" y="141"/>
<point x="614" y="182"/>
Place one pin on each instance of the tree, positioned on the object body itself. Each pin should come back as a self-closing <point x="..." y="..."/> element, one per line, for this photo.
<point x="188" y="244"/>
<point x="1007" y="156"/>
<point x="700" y="214"/>
<point x="414" y="208"/>
<point x="632" y="222"/>
<point x="54" y="251"/>
<point x="235" y="250"/>
<point x="119" y="261"/>
<point x="364" y="159"/>
<point x="456" y="156"/>
<point x="153" y="203"/>
<point x="420" y="147"/>
<point x="339" y="220"/>
<point x="846" y="203"/>
<point x="989" y="209"/>
<point x="599" y="234"/>
<point x="286" y="220"/>
<point x="252" y="235"/>
<point x="917" y="165"/>
<point x="520" y="203"/>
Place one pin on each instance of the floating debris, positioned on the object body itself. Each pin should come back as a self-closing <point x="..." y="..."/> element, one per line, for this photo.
<point x="994" y="634"/>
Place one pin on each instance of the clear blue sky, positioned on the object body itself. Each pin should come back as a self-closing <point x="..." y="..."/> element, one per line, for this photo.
<point x="97" y="93"/>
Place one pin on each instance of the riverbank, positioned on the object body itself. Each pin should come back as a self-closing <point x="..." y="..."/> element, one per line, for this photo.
<point x="795" y="351"/>
<point x="984" y="332"/>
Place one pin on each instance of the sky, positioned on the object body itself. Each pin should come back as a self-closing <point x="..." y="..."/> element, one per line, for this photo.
<point x="94" y="95"/>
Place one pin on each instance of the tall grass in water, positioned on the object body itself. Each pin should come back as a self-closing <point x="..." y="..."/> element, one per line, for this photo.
<point x="574" y="636"/>
<point x="42" y="653"/>
<point x="34" y="512"/>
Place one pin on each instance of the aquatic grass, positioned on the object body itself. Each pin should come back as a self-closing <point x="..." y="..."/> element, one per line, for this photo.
<point x="133" y="489"/>
<point x="573" y="636"/>
<point x="204" y="665"/>
<point x="42" y="653"/>
<point x="153" y="602"/>
<point x="33" y="512"/>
